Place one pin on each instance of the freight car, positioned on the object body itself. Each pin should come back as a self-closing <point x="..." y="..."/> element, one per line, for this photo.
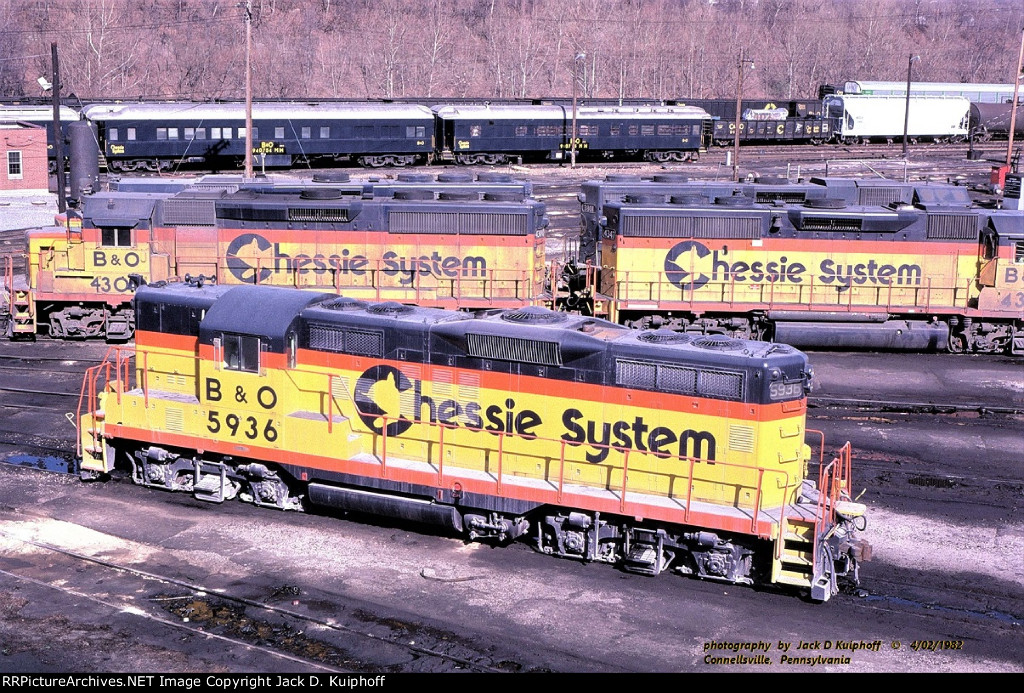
<point x="923" y="270"/>
<point x="975" y="93"/>
<point x="457" y="247"/>
<point x="766" y="121"/>
<point x="882" y="118"/>
<point x="992" y="121"/>
<point x="643" y="449"/>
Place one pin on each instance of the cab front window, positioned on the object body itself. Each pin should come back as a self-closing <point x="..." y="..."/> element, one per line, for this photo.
<point x="115" y="236"/>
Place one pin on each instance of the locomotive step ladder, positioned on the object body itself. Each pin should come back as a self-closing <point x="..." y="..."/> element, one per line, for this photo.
<point x="211" y="483"/>
<point x="797" y="560"/>
<point x="647" y="555"/>
<point x="22" y="315"/>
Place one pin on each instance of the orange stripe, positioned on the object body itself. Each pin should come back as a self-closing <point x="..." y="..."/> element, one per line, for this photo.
<point x="166" y="342"/>
<point x="110" y="299"/>
<point x="430" y="479"/>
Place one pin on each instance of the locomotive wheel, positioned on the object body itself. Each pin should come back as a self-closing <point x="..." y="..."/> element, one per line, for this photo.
<point x="957" y="343"/>
<point x="55" y="328"/>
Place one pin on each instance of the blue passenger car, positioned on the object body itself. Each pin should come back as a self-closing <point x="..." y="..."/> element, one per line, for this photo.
<point x="497" y="133"/>
<point x="161" y="136"/>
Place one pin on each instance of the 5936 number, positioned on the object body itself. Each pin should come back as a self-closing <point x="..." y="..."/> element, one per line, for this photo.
<point x="236" y="425"/>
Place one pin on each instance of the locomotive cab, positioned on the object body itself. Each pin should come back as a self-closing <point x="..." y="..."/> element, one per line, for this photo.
<point x="1001" y="283"/>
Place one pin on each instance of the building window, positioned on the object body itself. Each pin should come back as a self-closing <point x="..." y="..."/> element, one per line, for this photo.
<point x="115" y="236"/>
<point x="14" y="164"/>
<point x="242" y="353"/>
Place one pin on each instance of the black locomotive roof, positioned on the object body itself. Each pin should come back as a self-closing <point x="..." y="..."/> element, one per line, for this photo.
<point x="263" y="311"/>
<point x="120" y="209"/>
<point x="186" y="294"/>
<point x="338" y="310"/>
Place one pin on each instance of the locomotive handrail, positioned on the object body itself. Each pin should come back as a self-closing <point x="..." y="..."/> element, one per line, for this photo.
<point x="89" y="390"/>
<point x="631" y="285"/>
<point x="559" y="484"/>
<point x="9" y="273"/>
<point x="486" y="292"/>
<point x="821" y="448"/>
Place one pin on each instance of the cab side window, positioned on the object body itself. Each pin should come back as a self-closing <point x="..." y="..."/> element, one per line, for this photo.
<point x="241" y="353"/>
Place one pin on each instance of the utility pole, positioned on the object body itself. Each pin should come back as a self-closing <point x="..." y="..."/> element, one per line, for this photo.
<point x="575" y="81"/>
<point x="58" y="134"/>
<point x="1013" y="109"/>
<point x="906" y="109"/>
<point x="248" y="89"/>
<point x="743" y="62"/>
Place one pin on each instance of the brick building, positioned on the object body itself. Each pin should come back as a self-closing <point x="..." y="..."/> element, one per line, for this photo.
<point x="23" y="157"/>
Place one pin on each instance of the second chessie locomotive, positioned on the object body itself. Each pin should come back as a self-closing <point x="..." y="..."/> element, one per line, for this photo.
<point x="649" y="449"/>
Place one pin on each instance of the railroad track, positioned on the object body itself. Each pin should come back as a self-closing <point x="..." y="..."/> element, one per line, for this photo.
<point x="351" y="642"/>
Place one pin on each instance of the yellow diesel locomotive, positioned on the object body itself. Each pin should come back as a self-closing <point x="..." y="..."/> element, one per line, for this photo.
<point x="474" y="245"/>
<point x="870" y="266"/>
<point x="649" y="449"/>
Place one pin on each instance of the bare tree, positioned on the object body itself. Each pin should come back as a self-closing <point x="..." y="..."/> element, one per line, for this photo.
<point x="657" y="49"/>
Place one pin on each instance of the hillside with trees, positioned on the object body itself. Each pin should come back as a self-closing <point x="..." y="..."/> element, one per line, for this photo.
<point x="657" y="49"/>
